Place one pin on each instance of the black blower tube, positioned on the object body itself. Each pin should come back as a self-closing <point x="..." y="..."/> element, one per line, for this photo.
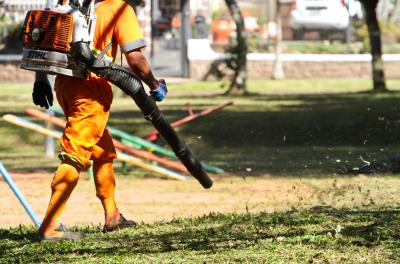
<point x="133" y="87"/>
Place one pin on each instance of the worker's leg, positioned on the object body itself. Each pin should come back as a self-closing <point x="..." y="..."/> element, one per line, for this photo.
<point x="64" y="181"/>
<point x="103" y="156"/>
<point x="86" y="108"/>
<point x="105" y="188"/>
<point x="80" y="135"/>
<point x="86" y="137"/>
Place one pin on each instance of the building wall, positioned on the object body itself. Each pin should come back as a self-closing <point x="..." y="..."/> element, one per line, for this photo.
<point x="301" y="69"/>
<point x="10" y="72"/>
<point x="257" y="69"/>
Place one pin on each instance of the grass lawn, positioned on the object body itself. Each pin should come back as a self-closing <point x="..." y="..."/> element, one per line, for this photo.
<point x="317" y="236"/>
<point x="293" y="135"/>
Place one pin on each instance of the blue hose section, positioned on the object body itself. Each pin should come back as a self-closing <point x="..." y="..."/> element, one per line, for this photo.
<point x="19" y="195"/>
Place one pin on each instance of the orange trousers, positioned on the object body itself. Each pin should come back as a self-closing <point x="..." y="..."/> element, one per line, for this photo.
<point x="86" y="104"/>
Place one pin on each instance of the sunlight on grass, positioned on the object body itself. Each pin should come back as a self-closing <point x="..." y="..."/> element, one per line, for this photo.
<point x="287" y="86"/>
<point x="16" y="88"/>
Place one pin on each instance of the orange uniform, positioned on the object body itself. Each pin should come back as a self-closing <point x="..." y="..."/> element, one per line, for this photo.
<point x="86" y="103"/>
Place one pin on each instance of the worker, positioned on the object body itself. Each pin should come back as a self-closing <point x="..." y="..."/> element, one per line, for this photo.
<point x="86" y="104"/>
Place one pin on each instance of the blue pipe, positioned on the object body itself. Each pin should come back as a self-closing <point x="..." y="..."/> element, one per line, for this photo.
<point x="19" y="195"/>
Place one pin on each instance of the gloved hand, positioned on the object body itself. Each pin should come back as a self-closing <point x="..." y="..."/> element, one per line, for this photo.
<point x="42" y="94"/>
<point x="161" y="92"/>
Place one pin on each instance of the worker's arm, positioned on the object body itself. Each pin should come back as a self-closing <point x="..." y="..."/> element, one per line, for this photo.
<point x="141" y="68"/>
<point x="129" y="36"/>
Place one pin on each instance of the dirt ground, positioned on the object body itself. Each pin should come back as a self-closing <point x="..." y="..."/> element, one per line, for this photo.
<point x="152" y="199"/>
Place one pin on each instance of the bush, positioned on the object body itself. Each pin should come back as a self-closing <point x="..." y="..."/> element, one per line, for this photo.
<point x="11" y="41"/>
<point x="390" y="35"/>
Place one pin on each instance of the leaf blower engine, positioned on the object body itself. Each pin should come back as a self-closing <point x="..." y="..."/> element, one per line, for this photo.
<point x="59" y="42"/>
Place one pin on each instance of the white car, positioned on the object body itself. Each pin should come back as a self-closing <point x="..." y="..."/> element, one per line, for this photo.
<point x="319" y="14"/>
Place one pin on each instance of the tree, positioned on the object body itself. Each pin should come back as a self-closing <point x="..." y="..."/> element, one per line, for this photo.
<point x="374" y="32"/>
<point x="278" y="72"/>
<point x="237" y="61"/>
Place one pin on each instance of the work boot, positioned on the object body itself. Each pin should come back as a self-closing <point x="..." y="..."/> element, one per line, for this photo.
<point x="122" y="223"/>
<point x="61" y="233"/>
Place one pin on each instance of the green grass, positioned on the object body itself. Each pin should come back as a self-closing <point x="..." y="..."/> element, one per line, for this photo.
<point x="326" y="47"/>
<point x="281" y="86"/>
<point x="319" y="47"/>
<point x="320" y="235"/>
<point x="291" y="129"/>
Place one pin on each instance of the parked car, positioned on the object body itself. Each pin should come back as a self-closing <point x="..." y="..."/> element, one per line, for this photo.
<point x="319" y="14"/>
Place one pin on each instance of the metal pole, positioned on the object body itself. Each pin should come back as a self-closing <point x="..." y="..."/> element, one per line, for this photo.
<point x="261" y="23"/>
<point x="152" y="23"/>
<point x="278" y="72"/>
<point x="19" y="195"/>
<point x="49" y="141"/>
<point x="348" y="35"/>
<point x="185" y="35"/>
<point x="349" y="30"/>
<point x="268" y="10"/>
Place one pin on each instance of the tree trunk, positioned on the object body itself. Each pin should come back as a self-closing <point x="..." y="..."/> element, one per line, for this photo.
<point x="378" y="75"/>
<point x="278" y="72"/>
<point x="239" y="52"/>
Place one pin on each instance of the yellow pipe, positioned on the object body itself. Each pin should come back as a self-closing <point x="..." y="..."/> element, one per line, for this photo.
<point x="120" y="156"/>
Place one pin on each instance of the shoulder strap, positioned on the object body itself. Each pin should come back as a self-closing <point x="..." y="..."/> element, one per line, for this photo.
<point x="100" y="56"/>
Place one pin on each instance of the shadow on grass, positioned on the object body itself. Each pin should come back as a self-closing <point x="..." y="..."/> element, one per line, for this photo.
<point x="20" y="234"/>
<point x="280" y="135"/>
<point x="293" y="134"/>
<point x="322" y="229"/>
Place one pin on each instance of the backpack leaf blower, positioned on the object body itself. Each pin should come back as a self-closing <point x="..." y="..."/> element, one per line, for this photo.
<point x="59" y="42"/>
